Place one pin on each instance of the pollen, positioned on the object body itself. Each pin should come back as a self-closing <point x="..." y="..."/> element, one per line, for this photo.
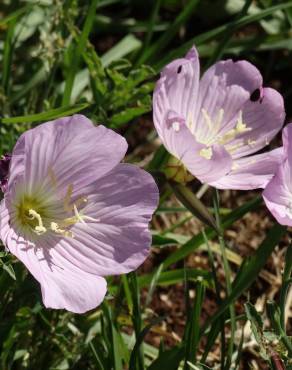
<point x="206" y="153"/>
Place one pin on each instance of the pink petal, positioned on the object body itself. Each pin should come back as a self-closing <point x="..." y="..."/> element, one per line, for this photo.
<point x="63" y="285"/>
<point x="251" y="172"/>
<point x="180" y="79"/>
<point x="226" y="85"/>
<point x="278" y="195"/>
<point x="278" y="192"/>
<point x="66" y="151"/>
<point x="265" y="119"/>
<point x="181" y="143"/>
<point x="123" y="202"/>
<point x="176" y="91"/>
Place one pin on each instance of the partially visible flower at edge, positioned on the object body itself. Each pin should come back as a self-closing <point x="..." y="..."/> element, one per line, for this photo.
<point x="216" y="124"/>
<point x="278" y="192"/>
<point x="72" y="213"/>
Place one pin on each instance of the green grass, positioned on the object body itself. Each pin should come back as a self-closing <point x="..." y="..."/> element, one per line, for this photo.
<point x="102" y="58"/>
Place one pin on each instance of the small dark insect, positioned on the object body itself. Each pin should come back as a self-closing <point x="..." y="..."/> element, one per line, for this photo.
<point x="179" y="69"/>
<point x="255" y="96"/>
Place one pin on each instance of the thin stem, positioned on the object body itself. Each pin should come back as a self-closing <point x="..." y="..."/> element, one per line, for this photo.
<point x="227" y="272"/>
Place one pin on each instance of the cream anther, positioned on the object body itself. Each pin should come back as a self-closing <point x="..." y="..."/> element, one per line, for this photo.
<point x="206" y="153"/>
<point x="176" y="126"/>
<point x="39" y="229"/>
<point x="235" y="166"/>
<point x="56" y="228"/>
<point x="251" y="142"/>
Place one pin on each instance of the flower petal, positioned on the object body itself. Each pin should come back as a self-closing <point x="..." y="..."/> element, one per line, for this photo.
<point x="264" y="118"/>
<point x="67" y="151"/>
<point x="278" y="195"/>
<point x="176" y="91"/>
<point x="63" y="285"/>
<point x="181" y="143"/>
<point x="119" y="241"/>
<point x="225" y="86"/>
<point x="251" y="172"/>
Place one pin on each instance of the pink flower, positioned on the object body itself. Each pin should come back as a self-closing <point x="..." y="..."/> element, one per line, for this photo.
<point x="278" y="192"/>
<point x="72" y="213"/>
<point x="216" y="124"/>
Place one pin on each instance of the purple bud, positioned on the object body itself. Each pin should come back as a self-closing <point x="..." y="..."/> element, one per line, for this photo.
<point x="4" y="169"/>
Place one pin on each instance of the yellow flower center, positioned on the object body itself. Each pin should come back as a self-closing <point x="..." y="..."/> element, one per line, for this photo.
<point x="38" y="215"/>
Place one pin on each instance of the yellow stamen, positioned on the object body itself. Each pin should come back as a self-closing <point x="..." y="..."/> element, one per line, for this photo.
<point x="206" y="153"/>
<point x="240" y="128"/>
<point x="33" y="215"/>
<point x="56" y="228"/>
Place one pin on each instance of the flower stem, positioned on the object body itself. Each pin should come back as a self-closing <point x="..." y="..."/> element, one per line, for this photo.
<point x="227" y="273"/>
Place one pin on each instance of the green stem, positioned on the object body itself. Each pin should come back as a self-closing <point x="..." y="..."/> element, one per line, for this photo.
<point x="227" y="272"/>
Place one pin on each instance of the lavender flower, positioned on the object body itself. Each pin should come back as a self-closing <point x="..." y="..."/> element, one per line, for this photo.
<point x="72" y="213"/>
<point x="216" y="124"/>
<point x="278" y="192"/>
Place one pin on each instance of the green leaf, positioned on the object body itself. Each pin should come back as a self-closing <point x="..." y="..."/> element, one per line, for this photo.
<point x="9" y="269"/>
<point x="49" y="115"/>
<point x="171" y="32"/>
<point x="168" y="360"/>
<point x="128" y="44"/>
<point x="210" y="35"/>
<point x="257" y="327"/>
<point x="192" y="331"/>
<point x="195" y="242"/>
<point x="247" y="275"/>
<point x="174" y="276"/>
<point x="128" y="115"/>
<point x="78" y="50"/>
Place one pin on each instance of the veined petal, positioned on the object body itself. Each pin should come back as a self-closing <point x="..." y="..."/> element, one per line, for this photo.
<point x="66" y="151"/>
<point x="224" y="87"/>
<point x="119" y="240"/>
<point x="176" y="90"/>
<point x="278" y="195"/>
<point x="251" y="172"/>
<point x="287" y="140"/>
<point x="63" y="285"/>
<point x="264" y="119"/>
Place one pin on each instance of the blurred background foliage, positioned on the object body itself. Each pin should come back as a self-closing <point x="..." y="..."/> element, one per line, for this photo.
<point x="102" y="58"/>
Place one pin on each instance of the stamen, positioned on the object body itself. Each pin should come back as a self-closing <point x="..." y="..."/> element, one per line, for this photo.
<point x="206" y="153"/>
<point x="241" y="126"/>
<point x="234" y="147"/>
<point x="219" y="120"/>
<point x="251" y="142"/>
<point x="56" y="228"/>
<point x="81" y="218"/>
<point x="40" y="229"/>
<point x="207" y="119"/>
<point x="67" y="199"/>
<point x="235" y="166"/>
<point x="77" y="215"/>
